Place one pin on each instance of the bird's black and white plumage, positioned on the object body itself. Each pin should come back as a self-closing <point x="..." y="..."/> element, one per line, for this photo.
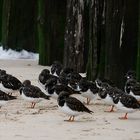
<point x="131" y="74"/>
<point x="67" y="70"/>
<point x="49" y="87"/>
<point x="129" y="84"/>
<point x="87" y="89"/>
<point x="4" y="98"/>
<point x="73" y="78"/>
<point x="54" y="90"/>
<point x="44" y="76"/>
<point x="99" y="82"/>
<point x="57" y="89"/>
<point x="127" y="104"/>
<point x="63" y="79"/>
<point x="56" y="68"/>
<point x="118" y="98"/>
<point x="32" y="93"/>
<point x="109" y="95"/>
<point x="130" y="80"/>
<point x="71" y="106"/>
<point x="132" y="86"/>
<point x="9" y="83"/>
<point x="135" y="91"/>
<point x="2" y="72"/>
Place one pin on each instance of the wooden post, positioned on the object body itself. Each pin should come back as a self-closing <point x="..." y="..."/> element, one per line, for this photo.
<point x="41" y="33"/>
<point x="138" y="50"/>
<point x="74" y="36"/>
<point x="1" y="5"/>
<point x="5" y="21"/>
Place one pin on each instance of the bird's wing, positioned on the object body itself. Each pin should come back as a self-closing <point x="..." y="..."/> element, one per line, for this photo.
<point x="129" y="101"/>
<point x="76" y="105"/>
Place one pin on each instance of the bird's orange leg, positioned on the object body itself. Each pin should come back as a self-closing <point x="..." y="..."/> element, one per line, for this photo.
<point x="68" y="119"/>
<point x="124" y="118"/>
<point x="88" y="101"/>
<point x="71" y="119"/>
<point x="33" y="105"/>
<point x="111" y="109"/>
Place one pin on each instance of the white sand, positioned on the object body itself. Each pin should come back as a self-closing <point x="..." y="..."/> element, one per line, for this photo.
<point x="46" y="122"/>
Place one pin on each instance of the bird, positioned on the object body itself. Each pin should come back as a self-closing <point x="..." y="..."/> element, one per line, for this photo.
<point x="135" y="92"/>
<point x="118" y="98"/>
<point x="56" y="68"/>
<point x="49" y="85"/>
<point x="130" y="80"/>
<point x="131" y="74"/>
<point x="127" y="104"/>
<point x="32" y="93"/>
<point x="67" y="70"/>
<point x="4" y="98"/>
<point x="54" y="89"/>
<point x="63" y="77"/>
<point x="104" y="80"/>
<point x="73" y="78"/>
<point x="87" y="89"/>
<point x="71" y="106"/>
<point x="2" y="72"/>
<point x="129" y="84"/>
<point x="132" y="86"/>
<point x="9" y="83"/>
<point x="44" y="76"/>
<point x="109" y="95"/>
<point x="98" y="83"/>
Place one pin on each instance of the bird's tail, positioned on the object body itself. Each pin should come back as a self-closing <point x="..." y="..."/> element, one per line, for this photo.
<point x="90" y="112"/>
<point x="139" y="104"/>
<point x="45" y="96"/>
<point x="10" y="97"/>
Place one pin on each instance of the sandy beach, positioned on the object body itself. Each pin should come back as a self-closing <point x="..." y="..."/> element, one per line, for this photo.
<point x="46" y="122"/>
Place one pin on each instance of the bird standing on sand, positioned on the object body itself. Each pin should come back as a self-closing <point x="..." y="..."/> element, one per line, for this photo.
<point x="87" y="89"/>
<point x="8" y="83"/>
<point x="71" y="106"/>
<point x="109" y="95"/>
<point x="127" y="104"/>
<point x="121" y="100"/>
<point x="32" y="93"/>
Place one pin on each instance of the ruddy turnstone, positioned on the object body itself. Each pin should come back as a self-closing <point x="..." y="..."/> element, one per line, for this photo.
<point x="44" y="76"/>
<point x="87" y="89"/>
<point x="127" y="104"/>
<point x="56" y="68"/>
<point x="32" y="93"/>
<point x="71" y="106"/>
<point x="9" y="83"/>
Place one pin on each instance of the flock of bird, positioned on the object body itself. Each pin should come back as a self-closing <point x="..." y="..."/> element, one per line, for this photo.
<point x="60" y="83"/>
